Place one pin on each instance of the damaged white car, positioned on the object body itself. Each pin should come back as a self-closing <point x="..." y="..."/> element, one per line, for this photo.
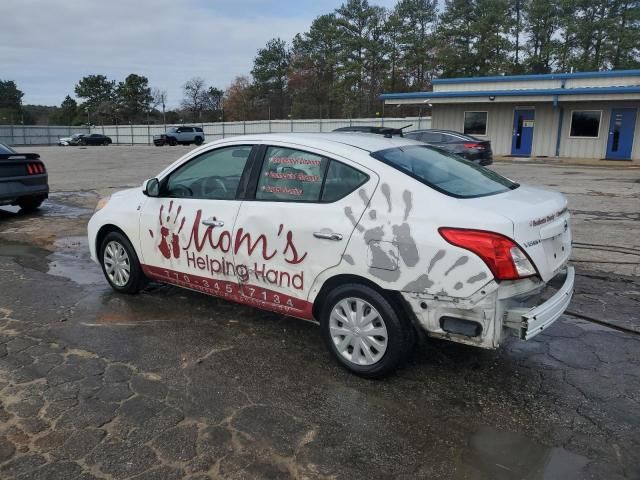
<point x="375" y="237"/>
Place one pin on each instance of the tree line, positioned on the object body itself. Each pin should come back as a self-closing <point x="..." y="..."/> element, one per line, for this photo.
<point x="349" y="56"/>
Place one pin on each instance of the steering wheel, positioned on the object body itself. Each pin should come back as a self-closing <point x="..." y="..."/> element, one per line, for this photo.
<point x="181" y="191"/>
<point x="211" y="184"/>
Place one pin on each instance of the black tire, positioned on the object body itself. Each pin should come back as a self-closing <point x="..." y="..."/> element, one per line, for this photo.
<point x="30" y="204"/>
<point x="400" y="337"/>
<point x="198" y="140"/>
<point x="106" y="143"/>
<point x="137" y="280"/>
<point x="173" y="142"/>
<point x="82" y="143"/>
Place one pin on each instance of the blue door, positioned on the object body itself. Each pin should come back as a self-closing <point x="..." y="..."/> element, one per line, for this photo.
<point x="621" y="127"/>
<point x="522" y="140"/>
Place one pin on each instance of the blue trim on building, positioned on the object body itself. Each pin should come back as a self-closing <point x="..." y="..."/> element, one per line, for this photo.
<point x="513" y="93"/>
<point x="544" y="76"/>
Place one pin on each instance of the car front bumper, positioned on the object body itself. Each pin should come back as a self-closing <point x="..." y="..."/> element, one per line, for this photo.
<point x="523" y="308"/>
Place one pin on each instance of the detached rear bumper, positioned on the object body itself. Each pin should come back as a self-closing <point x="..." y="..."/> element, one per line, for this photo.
<point x="523" y="308"/>
<point x="529" y="321"/>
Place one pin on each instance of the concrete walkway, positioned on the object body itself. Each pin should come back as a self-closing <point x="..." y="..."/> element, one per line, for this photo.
<point x="588" y="162"/>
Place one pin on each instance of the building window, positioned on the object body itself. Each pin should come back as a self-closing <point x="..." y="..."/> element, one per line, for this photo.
<point x="475" y="123"/>
<point x="585" y="123"/>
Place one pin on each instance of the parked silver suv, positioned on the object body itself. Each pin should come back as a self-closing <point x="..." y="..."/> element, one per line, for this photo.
<point x="184" y="135"/>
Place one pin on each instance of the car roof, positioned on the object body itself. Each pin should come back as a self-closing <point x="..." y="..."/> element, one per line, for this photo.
<point x="369" y="142"/>
<point x="439" y="130"/>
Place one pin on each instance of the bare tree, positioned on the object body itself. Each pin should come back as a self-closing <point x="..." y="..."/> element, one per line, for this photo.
<point x="194" y="96"/>
<point x="159" y="97"/>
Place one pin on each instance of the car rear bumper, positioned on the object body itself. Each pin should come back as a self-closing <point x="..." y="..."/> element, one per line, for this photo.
<point x="523" y="308"/>
<point x="529" y="321"/>
<point x="14" y="188"/>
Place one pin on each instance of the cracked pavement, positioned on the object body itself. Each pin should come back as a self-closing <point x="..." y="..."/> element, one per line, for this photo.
<point x="173" y="384"/>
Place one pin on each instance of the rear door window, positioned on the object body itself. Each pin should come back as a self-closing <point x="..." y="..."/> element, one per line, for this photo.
<point x="291" y="175"/>
<point x="447" y="173"/>
<point x="341" y="181"/>
<point x="432" y="137"/>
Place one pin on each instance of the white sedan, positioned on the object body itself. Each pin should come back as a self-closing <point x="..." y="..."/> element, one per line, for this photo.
<point x="376" y="238"/>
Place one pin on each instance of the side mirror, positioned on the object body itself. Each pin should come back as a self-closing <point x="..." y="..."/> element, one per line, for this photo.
<point x="152" y="188"/>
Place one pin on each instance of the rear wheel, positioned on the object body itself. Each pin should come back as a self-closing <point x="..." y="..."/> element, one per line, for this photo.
<point x="120" y="264"/>
<point x="363" y="331"/>
<point x="30" y="204"/>
<point x="198" y="140"/>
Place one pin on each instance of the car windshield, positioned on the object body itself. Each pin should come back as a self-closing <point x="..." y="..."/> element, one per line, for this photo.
<point x="172" y="130"/>
<point x="445" y="172"/>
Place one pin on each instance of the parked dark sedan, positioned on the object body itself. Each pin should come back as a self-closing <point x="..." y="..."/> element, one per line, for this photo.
<point x="23" y="179"/>
<point x="466" y="146"/>
<point x="93" y="139"/>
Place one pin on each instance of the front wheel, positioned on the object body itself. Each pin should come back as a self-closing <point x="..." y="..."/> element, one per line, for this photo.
<point x="364" y="332"/>
<point x="120" y="264"/>
<point x="198" y="141"/>
<point x="173" y="142"/>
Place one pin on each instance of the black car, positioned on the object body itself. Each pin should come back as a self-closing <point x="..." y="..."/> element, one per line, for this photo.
<point x="23" y="179"/>
<point x="93" y="139"/>
<point x="466" y="146"/>
<point x="387" y="131"/>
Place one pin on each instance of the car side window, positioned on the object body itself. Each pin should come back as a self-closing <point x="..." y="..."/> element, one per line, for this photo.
<point x="291" y="175"/>
<point x="341" y="181"/>
<point x="214" y="175"/>
<point x="432" y="137"/>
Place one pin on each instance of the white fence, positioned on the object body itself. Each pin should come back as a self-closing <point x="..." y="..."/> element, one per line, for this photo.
<point x="36" y="135"/>
<point x="143" y="134"/>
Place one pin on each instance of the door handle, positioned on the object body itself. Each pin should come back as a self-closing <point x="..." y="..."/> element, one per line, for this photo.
<point x="213" y="222"/>
<point x="336" y="237"/>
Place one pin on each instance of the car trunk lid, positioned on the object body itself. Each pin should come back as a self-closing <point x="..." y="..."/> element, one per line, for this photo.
<point x="540" y="225"/>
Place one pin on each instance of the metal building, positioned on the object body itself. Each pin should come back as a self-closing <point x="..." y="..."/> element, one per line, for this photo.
<point x="578" y="115"/>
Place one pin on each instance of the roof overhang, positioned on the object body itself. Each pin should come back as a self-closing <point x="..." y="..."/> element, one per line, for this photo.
<point x="554" y="95"/>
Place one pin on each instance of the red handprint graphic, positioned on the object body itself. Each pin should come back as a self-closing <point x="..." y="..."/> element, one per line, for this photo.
<point x="168" y="224"/>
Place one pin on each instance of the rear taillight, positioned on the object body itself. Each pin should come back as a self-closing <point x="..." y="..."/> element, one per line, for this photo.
<point x="503" y="256"/>
<point x="479" y="146"/>
<point x="35" y="168"/>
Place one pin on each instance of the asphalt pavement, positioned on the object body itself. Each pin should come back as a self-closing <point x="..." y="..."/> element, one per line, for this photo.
<point x="174" y="384"/>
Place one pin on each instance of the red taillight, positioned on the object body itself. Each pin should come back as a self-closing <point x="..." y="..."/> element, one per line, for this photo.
<point x="496" y="250"/>
<point x="479" y="146"/>
<point x="35" y="168"/>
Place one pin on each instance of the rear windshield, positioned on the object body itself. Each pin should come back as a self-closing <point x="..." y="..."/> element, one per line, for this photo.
<point x="445" y="172"/>
<point x="5" y="149"/>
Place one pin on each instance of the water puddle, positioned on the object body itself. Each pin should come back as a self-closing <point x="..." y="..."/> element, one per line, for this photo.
<point x="71" y="260"/>
<point x="55" y="209"/>
<point x="49" y="208"/>
<point x="497" y="455"/>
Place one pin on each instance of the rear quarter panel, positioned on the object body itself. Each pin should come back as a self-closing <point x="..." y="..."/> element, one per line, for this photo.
<point x="396" y="242"/>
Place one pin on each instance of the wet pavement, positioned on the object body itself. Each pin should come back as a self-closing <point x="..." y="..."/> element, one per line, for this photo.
<point x="174" y="384"/>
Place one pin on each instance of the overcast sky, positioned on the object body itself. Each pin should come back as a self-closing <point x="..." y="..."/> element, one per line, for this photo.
<point x="46" y="46"/>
